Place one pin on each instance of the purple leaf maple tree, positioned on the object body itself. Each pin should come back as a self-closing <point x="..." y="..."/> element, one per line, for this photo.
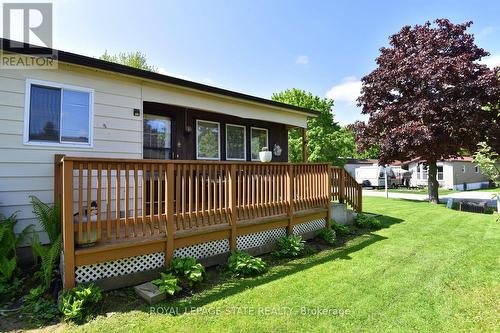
<point x="430" y="98"/>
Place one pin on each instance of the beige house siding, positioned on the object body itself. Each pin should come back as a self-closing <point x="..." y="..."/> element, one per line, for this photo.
<point x="28" y="169"/>
<point x="472" y="178"/>
<point x="453" y="177"/>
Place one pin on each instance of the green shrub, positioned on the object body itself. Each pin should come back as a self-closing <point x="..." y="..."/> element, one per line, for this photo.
<point x="9" y="283"/>
<point x="242" y="264"/>
<point x="78" y="303"/>
<point x="39" y="306"/>
<point x="167" y="283"/>
<point x="289" y="246"/>
<point x="328" y="235"/>
<point x="340" y="230"/>
<point x="50" y="220"/>
<point x="367" y="221"/>
<point x="188" y="269"/>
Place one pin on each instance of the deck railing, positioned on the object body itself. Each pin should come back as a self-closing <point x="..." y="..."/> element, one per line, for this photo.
<point x="106" y="201"/>
<point x="344" y="188"/>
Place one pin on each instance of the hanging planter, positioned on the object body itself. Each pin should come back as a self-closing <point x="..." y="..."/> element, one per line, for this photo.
<point x="265" y="155"/>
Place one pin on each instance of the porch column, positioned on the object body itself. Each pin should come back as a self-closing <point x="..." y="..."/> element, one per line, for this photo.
<point x="304" y="145"/>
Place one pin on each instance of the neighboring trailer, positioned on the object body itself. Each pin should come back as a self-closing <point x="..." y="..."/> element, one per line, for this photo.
<point x="374" y="176"/>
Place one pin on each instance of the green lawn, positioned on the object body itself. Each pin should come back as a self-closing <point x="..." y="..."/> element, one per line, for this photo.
<point x="442" y="191"/>
<point x="430" y="270"/>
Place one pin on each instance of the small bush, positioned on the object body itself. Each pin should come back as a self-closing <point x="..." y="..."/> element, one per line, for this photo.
<point x="242" y="264"/>
<point x="340" y="230"/>
<point x="188" y="269"/>
<point x="167" y="283"/>
<point x="78" y="303"/>
<point x="289" y="246"/>
<point x="328" y="235"/>
<point x="366" y="221"/>
<point x="39" y="307"/>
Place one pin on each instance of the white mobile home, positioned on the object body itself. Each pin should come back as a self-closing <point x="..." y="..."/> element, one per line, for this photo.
<point x="457" y="174"/>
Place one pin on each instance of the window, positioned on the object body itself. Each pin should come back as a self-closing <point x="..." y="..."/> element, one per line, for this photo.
<point x="463" y="168"/>
<point x="259" y="140"/>
<point x="236" y="142"/>
<point x="476" y="169"/>
<point x="207" y="140"/>
<point x="440" y="174"/>
<point x="57" y="114"/>
<point x="157" y="142"/>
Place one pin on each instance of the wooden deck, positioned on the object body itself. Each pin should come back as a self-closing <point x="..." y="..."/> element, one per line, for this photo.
<point x="144" y="206"/>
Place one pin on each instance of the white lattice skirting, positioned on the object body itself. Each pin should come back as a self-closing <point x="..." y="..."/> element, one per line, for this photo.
<point x="145" y="262"/>
<point x="203" y="250"/>
<point x="309" y="226"/>
<point x="119" y="267"/>
<point x="259" y="238"/>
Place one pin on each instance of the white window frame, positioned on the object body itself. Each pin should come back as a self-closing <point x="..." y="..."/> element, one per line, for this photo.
<point x="267" y="140"/>
<point x="244" y="143"/>
<point x="218" y="140"/>
<point x="62" y="86"/>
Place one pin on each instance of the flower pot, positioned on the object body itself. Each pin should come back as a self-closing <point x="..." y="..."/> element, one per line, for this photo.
<point x="265" y="156"/>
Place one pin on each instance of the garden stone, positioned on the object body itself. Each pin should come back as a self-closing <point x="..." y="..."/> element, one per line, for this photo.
<point x="150" y="293"/>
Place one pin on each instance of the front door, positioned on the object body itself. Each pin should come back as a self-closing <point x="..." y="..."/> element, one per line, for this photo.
<point x="157" y="142"/>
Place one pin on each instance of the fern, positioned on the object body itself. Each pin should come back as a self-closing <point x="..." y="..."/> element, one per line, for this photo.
<point x="7" y="268"/>
<point x="49" y="255"/>
<point x="8" y="243"/>
<point x="50" y="220"/>
<point x="49" y="217"/>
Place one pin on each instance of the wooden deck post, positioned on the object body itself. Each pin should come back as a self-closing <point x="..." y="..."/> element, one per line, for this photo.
<point x="58" y="178"/>
<point x="328" y="195"/>
<point x="304" y="145"/>
<point x="232" y="205"/>
<point x="68" y="225"/>
<point x="290" y="181"/>
<point x="169" y="212"/>
<point x="342" y="185"/>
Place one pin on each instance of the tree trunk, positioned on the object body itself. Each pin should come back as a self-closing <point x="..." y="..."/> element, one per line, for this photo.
<point x="433" y="184"/>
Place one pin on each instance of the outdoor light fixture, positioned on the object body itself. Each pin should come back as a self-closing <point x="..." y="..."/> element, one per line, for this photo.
<point x="137" y="112"/>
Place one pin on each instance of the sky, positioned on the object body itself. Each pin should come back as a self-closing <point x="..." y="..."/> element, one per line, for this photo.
<point x="263" y="46"/>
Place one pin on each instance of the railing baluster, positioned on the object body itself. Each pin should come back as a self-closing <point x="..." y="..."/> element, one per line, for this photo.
<point x="144" y="224"/>
<point x="203" y="198"/>
<point x="108" y="201"/>
<point x="80" y="203"/>
<point x="127" y="196"/>
<point x="161" y="221"/>
<point x="136" y="190"/>
<point x="118" y="200"/>
<point x="89" y="200"/>
<point x="99" y="203"/>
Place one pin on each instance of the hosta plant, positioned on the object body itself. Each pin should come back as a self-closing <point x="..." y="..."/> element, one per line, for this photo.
<point x="188" y="269"/>
<point x="77" y="304"/>
<point x="241" y="264"/>
<point x="289" y="246"/>
<point x="328" y="235"/>
<point x="367" y="221"/>
<point x="167" y="283"/>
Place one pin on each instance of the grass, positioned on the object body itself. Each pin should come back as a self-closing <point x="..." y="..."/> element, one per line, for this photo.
<point x="430" y="269"/>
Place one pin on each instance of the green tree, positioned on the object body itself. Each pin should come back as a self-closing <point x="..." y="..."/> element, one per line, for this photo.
<point x="345" y="140"/>
<point x="321" y="130"/>
<point x="488" y="161"/>
<point x="132" y="59"/>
